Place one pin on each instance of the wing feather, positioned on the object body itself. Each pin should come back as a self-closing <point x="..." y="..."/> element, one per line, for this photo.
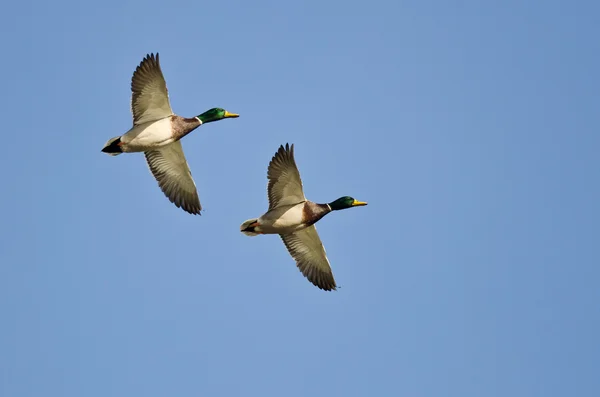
<point x="149" y="94"/>
<point x="284" y="186"/>
<point x="171" y="170"/>
<point x="306" y="248"/>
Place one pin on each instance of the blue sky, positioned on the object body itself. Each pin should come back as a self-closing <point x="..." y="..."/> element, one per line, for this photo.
<point x="471" y="129"/>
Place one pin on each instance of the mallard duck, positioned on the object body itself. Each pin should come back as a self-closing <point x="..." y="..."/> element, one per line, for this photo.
<point x="293" y="217"/>
<point x="157" y="132"/>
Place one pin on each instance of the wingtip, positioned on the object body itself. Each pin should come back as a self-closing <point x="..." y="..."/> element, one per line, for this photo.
<point x="193" y="211"/>
<point x="327" y="287"/>
<point x="322" y="286"/>
<point x="150" y="57"/>
<point x="287" y="148"/>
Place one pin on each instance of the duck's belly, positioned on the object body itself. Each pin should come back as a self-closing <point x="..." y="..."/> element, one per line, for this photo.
<point x="148" y="136"/>
<point x="282" y="220"/>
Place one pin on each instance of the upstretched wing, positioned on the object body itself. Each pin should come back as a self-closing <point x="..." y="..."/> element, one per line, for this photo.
<point x="285" y="185"/>
<point x="171" y="170"/>
<point x="149" y="94"/>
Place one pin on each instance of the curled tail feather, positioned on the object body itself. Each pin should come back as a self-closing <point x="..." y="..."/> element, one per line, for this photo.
<point x="248" y="229"/>
<point x="113" y="146"/>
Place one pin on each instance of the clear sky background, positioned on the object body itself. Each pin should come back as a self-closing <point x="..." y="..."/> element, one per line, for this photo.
<point x="470" y="127"/>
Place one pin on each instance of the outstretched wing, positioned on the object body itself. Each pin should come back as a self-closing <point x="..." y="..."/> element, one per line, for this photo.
<point x="149" y="94"/>
<point x="171" y="170"/>
<point x="285" y="185"/>
<point x="306" y="248"/>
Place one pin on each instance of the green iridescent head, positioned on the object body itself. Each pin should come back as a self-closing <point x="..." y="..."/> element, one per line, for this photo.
<point x="345" y="202"/>
<point x="216" y="114"/>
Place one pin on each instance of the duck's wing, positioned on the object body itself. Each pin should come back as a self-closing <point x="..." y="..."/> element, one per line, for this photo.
<point x="149" y="94"/>
<point x="284" y="186"/>
<point x="171" y="170"/>
<point x="306" y="248"/>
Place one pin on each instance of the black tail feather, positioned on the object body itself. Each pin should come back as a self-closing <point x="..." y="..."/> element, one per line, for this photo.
<point x="113" y="147"/>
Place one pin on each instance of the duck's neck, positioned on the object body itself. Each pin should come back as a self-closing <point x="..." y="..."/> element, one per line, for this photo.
<point x="315" y="211"/>
<point x="183" y="126"/>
